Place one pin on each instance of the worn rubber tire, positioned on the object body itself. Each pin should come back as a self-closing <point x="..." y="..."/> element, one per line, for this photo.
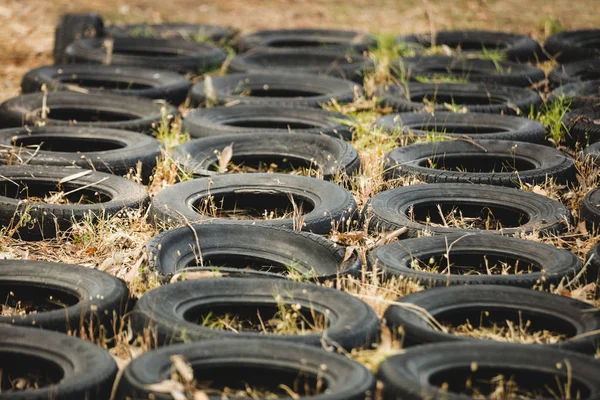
<point x="273" y="89"/>
<point x="307" y="39"/>
<point x="99" y="297"/>
<point x="127" y="81"/>
<point x="250" y="362"/>
<point x="472" y="161"/>
<point x="121" y="112"/>
<point x="585" y="70"/>
<point x="333" y="206"/>
<point x="592" y="152"/>
<point x="584" y="94"/>
<point x="456" y="306"/>
<point x="574" y="45"/>
<point x="589" y="210"/>
<point x="388" y="210"/>
<point x="396" y="259"/>
<point x="237" y="247"/>
<point x="123" y="194"/>
<point x="261" y="119"/>
<point x="457" y="125"/>
<point x="409" y="375"/>
<point x="106" y="150"/>
<point x="477" y="97"/>
<point x="330" y="157"/>
<point x="173" y="55"/>
<point x="191" y="32"/>
<point x="592" y="263"/>
<point x="514" y="46"/>
<point x="88" y="371"/>
<point x="469" y="69"/>
<point x="351" y="322"/>
<point x="73" y="27"/>
<point x="299" y="61"/>
<point x="582" y="125"/>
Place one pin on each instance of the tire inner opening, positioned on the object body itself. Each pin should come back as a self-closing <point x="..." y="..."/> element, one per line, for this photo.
<point x="303" y="60"/>
<point x="19" y="298"/>
<point x="302" y="43"/>
<point x="247" y="262"/>
<point x="271" y="123"/>
<point x="276" y="92"/>
<point x="279" y="164"/>
<point x="457" y="98"/>
<point x="82" y="115"/>
<point x="473" y="263"/>
<point x="108" y="84"/>
<point x="467" y="215"/>
<point x="51" y="192"/>
<point x="477" y="163"/>
<point x="460" y="129"/>
<point x="513" y="382"/>
<point x="253" y="205"/>
<point x="21" y="372"/>
<point x="68" y="144"/>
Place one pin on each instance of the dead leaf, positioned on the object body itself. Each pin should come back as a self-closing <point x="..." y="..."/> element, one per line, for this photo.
<point x="75" y="176"/>
<point x="197" y="275"/>
<point x="183" y="368"/>
<point x="391" y="236"/>
<point x="225" y="157"/>
<point x="166" y="386"/>
<point x="199" y="395"/>
<point x="349" y="252"/>
<point x="538" y="190"/>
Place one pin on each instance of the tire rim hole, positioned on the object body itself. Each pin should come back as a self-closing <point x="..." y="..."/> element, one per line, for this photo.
<point x="466" y="215"/>
<point x="459" y="129"/>
<point x="473" y="264"/>
<point x="20" y="299"/>
<point x="270" y="164"/>
<point x="457" y="99"/>
<point x="67" y="144"/>
<point x="76" y="115"/>
<point x="271" y="123"/>
<point x="251" y="263"/>
<point x="21" y="372"/>
<point x="107" y="84"/>
<point x="477" y="163"/>
<point x="276" y="92"/>
<point x="302" y="43"/>
<point x="511" y="382"/>
<point x="51" y="193"/>
<point x="305" y="60"/>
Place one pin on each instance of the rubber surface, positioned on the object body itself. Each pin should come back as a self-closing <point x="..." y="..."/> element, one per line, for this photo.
<point x="574" y="45"/>
<point x="582" y="125"/>
<point x="191" y="32"/>
<point x="585" y="70"/>
<point x="73" y="27"/>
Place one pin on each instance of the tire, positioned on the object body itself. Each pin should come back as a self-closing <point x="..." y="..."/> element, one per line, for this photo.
<point x="589" y="210"/>
<point x="470" y="69"/>
<point x="515" y="47"/>
<point x="457" y="125"/>
<point x="593" y="265"/>
<point x="299" y="61"/>
<point x="274" y="89"/>
<point x="249" y="251"/>
<point x="192" y="32"/>
<point x="128" y="81"/>
<point x="582" y="125"/>
<point x="332" y="205"/>
<point x="351" y="323"/>
<point x="46" y="219"/>
<point x="307" y="39"/>
<point x="262" y="119"/>
<point x="235" y="363"/>
<point x="574" y="45"/>
<point x="82" y="299"/>
<point x="584" y="94"/>
<point x="173" y="55"/>
<point x="72" y="27"/>
<point x="492" y="304"/>
<point x="542" y="264"/>
<point x="585" y="70"/>
<point x="87" y="370"/>
<point x="327" y="157"/>
<point x="471" y="96"/>
<point x="106" y="150"/>
<point x="592" y="152"/>
<point x="478" y="162"/>
<point x="98" y="110"/>
<point x="389" y="210"/>
<point x="420" y="372"/>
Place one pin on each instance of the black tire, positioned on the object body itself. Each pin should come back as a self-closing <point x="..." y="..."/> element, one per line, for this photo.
<point x="261" y="119"/>
<point x="541" y="264"/>
<point x="128" y="81"/>
<point x="589" y="210"/>
<point x="248" y="250"/>
<point x="324" y="156"/>
<point x="471" y="96"/>
<point x="330" y="204"/>
<point x="113" y="194"/>
<point x="72" y="27"/>
<point x="459" y="125"/>
<point x="307" y="39"/>
<point x="470" y="69"/>
<point x="106" y="150"/>
<point x="175" y="312"/>
<point x="69" y="368"/>
<point x="574" y="45"/>
<point x="294" y="61"/>
<point x="584" y="94"/>
<point x="515" y="47"/>
<point x="592" y="152"/>
<point x="592" y="264"/>
<point x="420" y="372"/>
<point x="389" y="210"/>
<point x="68" y="298"/>
<point x="174" y="55"/>
<point x="274" y="89"/>
<point x="582" y="125"/>
<point x="263" y="363"/>
<point x="191" y="32"/>
<point x="490" y="162"/>
<point x="585" y="70"/>
<point x="93" y="110"/>
<point x="484" y="305"/>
